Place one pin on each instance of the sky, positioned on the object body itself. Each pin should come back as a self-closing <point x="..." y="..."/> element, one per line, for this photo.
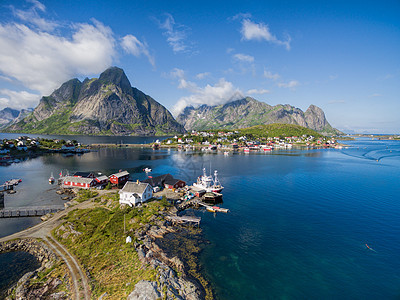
<point x="343" y="56"/>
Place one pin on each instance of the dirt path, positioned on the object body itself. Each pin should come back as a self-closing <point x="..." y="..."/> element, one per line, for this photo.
<point x="43" y="231"/>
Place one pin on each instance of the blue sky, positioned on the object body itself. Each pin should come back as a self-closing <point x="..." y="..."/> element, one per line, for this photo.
<point x="343" y="56"/>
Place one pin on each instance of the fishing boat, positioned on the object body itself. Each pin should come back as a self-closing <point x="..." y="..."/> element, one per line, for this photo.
<point x="208" y="183"/>
<point x="51" y="179"/>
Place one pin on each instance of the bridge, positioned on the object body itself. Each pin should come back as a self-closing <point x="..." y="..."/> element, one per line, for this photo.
<point x="29" y="211"/>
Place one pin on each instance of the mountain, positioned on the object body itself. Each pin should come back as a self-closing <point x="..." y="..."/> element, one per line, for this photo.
<point x="250" y="112"/>
<point x="108" y="105"/>
<point x="7" y="115"/>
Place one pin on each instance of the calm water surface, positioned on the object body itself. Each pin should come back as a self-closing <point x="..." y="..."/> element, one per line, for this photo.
<point x="299" y="219"/>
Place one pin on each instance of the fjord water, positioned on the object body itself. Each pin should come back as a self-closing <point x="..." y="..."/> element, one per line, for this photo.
<point x="299" y="222"/>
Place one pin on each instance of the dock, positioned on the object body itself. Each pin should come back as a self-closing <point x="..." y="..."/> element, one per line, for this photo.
<point x="213" y="208"/>
<point x="29" y="211"/>
<point x="9" y="185"/>
<point x="184" y="219"/>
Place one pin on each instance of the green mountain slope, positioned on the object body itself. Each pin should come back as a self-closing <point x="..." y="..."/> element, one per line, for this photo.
<point x="108" y="105"/>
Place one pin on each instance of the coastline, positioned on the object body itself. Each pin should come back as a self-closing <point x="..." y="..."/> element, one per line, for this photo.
<point x="172" y="276"/>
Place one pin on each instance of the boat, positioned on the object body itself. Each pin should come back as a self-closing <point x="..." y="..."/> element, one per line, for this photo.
<point x="147" y="170"/>
<point x="208" y="183"/>
<point x="226" y="153"/>
<point x="246" y="150"/>
<point x="51" y="179"/>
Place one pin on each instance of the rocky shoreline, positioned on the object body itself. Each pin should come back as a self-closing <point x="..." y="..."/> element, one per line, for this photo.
<point x="28" y="286"/>
<point x="174" y="279"/>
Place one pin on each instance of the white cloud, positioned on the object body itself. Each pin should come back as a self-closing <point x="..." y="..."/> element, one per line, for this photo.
<point x="31" y="16"/>
<point x="203" y="75"/>
<point x="244" y="57"/>
<point x="258" y="91"/>
<point x="289" y="85"/>
<point x="269" y="75"/>
<point x="135" y="47"/>
<point x="41" y="61"/>
<point x="175" y="33"/>
<point x="222" y="92"/>
<point x="259" y="32"/>
<point x="18" y="100"/>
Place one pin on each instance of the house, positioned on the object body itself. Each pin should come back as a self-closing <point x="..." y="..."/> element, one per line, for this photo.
<point x="101" y="180"/>
<point x="84" y="174"/>
<point x="68" y="147"/>
<point x="166" y="180"/>
<point x="119" y="178"/>
<point x="134" y="193"/>
<point x="77" y="182"/>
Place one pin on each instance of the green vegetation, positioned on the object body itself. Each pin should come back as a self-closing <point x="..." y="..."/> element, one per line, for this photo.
<point x="84" y="195"/>
<point x="278" y="130"/>
<point x="96" y="237"/>
<point x="58" y="270"/>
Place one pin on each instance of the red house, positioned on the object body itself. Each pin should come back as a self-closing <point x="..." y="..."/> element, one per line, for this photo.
<point x="101" y="180"/>
<point x="172" y="183"/>
<point x="78" y="182"/>
<point x="119" y="178"/>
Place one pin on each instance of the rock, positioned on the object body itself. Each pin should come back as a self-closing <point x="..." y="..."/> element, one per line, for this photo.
<point x="145" y="290"/>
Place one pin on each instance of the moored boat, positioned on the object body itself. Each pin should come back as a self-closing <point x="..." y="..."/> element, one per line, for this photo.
<point x="208" y="183"/>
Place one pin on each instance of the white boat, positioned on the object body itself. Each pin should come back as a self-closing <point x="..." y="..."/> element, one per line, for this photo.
<point x="51" y="179"/>
<point x="147" y="170"/>
<point x="226" y="153"/>
<point x="208" y="183"/>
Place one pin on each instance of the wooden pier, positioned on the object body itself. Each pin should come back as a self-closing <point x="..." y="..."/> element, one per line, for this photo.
<point x="213" y="208"/>
<point x="29" y="211"/>
<point x="184" y="219"/>
<point x="9" y="185"/>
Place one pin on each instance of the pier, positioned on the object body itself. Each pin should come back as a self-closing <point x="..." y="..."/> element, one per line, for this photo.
<point x="29" y="211"/>
<point x="9" y="185"/>
<point x="184" y="219"/>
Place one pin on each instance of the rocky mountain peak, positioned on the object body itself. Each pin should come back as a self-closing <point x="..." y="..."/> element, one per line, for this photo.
<point x="116" y="76"/>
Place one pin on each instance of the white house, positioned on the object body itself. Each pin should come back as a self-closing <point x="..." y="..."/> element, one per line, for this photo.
<point x="134" y="193"/>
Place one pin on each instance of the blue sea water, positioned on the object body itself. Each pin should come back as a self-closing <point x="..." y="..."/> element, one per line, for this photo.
<point x="299" y="220"/>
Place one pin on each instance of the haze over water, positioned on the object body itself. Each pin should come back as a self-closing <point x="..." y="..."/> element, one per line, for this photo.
<point x="299" y="219"/>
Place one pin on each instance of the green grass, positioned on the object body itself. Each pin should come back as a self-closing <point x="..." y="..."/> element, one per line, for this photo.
<point x="98" y="241"/>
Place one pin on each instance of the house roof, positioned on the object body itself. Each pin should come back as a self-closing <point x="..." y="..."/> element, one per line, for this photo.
<point x="159" y="180"/>
<point x="83" y="174"/>
<point x="134" y="187"/>
<point x="101" y="178"/>
<point x="77" y="179"/>
<point x="120" y="174"/>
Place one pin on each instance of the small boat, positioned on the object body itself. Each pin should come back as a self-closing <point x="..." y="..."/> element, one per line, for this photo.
<point x="226" y="153"/>
<point x="147" y="170"/>
<point x="246" y="150"/>
<point x="51" y="179"/>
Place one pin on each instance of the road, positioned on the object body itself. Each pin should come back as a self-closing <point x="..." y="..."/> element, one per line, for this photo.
<point x="43" y="230"/>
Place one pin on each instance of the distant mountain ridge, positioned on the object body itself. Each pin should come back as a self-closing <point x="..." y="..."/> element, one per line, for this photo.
<point x="108" y="105"/>
<point x="249" y="112"/>
<point x="9" y="115"/>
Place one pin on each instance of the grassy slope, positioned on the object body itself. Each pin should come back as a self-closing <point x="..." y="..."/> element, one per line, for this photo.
<point x="278" y="130"/>
<point x="98" y="241"/>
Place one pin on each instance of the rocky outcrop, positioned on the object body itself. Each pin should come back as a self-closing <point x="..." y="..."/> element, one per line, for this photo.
<point x="108" y="105"/>
<point x="28" y="286"/>
<point x="169" y="285"/>
<point x="249" y="112"/>
<point x="38" y="249"/>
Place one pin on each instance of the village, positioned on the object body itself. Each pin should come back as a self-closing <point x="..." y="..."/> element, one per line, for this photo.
<point x="205" y="192"/>
<point x="237" y="141"/>
<point x="16" y="150"/>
